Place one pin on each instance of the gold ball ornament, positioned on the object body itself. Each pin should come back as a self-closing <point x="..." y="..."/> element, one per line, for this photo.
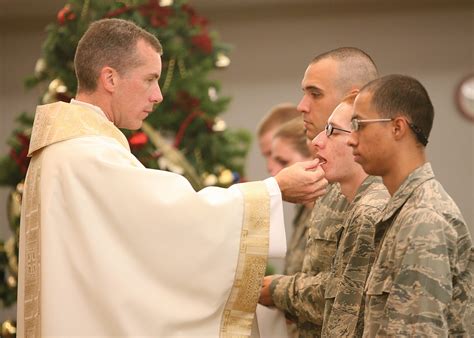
<point x="212" y="92"/>
<point x="219" y="125"/>
<point x="57" y="86"/>
<point x="10" y="250"/>
<point x="226" y="177"/>
<point x="209" y="179"/>
<point x="164" y="3"/>
<point x="222" y="60"/>
<point x="11" y="281"/>
<point x="8" y="329"/>
<point x="14" y="209"/>
<point x="40" y="66"/>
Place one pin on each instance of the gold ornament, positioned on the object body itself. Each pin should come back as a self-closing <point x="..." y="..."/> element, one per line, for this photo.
<point x="14" y="208"/>
<point x="164" y="3"/>
<point x="8" y="329"/>
<point x="11" y="282"/>
<point x="40" y="66"/>
<point x="209" y="179"/>
<point x="19" y="187"/>
<point x="222" y="60"/>
<point x="57" y="86"/>
<point x="212" y="92"/>
<point x="10" y="250"/>
<point x="219" y="125"/>
<point x="226" y="177"/>
<point x="53" y="85"/>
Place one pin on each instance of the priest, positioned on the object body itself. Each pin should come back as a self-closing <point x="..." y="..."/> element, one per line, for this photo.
<point x="110" y="248"/>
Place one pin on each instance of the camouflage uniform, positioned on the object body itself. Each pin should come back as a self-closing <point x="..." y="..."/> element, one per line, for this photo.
<point x="420" y="282"/>
<point x="295" y="253"/>
<point x="301" y="296"/>
<point x="344" y="307"/>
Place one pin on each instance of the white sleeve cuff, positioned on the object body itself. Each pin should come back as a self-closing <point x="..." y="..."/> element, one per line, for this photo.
<point x="277" y="245"/>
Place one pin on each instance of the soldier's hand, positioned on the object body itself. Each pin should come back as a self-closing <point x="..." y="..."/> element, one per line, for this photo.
<point x="302" y="182"/>
<point x="265" y="296"/>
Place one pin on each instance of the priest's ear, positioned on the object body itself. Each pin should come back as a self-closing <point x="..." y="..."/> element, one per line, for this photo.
<point x="108" y="78"/>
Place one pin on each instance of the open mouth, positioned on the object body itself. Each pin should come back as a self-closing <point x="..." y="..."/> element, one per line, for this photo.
<point x="321" y="159"/>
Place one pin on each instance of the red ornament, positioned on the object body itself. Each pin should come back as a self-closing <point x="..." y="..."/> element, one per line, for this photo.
<point x="65" y="14"/>
<point x="202" y="42"/>
<point x="138" y="140"/>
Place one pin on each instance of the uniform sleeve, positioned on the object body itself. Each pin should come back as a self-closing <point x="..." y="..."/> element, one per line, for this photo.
<point x="300" y="296"/>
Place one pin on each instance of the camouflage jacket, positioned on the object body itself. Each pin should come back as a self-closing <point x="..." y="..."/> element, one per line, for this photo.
<point x="420" y="282"/>
<point x="344" y="307"/>
<point x="301" y="296"/>
<point x="295" y="253"/>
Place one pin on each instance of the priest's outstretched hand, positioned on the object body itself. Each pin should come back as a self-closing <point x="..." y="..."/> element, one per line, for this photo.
<point x="302" y="182"/>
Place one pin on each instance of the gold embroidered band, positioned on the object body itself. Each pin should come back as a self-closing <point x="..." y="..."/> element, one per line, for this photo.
<point x="240" y="307"/>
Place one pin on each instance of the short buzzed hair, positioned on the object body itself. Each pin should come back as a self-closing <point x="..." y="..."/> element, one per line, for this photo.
<point x="401" y="95"/>
<point x="356" y="67"/>
<point x="278" y="115"/>
<point x="109" y="42"/>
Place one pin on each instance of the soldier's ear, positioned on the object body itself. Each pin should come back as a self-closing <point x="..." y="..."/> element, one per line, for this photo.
<point x="399" y="127"/>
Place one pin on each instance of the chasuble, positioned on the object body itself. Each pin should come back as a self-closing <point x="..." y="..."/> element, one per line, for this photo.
<point x="110" y="248"/>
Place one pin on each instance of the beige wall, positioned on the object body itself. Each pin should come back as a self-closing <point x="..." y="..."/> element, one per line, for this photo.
<point x="272" y="46"/>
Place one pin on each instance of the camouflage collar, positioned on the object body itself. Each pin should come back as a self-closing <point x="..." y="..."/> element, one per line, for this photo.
<point x="419" y="176"/>
<point x="364" y="186"/>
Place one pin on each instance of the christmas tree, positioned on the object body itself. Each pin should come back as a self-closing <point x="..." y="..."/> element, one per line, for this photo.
<point x="184" y="134"/>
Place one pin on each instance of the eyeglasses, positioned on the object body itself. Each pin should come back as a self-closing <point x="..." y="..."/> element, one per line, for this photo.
<point x="355" y="123"/>
<point x="330" y="129"/>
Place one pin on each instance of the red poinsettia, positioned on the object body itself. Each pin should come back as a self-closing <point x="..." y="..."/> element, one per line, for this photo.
<point x="203" y="42"/>
<point x="158" y="14"/>
<point x="65" y="14"/>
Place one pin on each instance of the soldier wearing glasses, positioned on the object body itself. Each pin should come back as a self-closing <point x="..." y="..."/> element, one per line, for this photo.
<point x="420" y="282"/>
<point x="343" y="314"/>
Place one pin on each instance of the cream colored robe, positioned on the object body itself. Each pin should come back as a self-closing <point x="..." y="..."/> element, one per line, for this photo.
<point x="110" y="248"/>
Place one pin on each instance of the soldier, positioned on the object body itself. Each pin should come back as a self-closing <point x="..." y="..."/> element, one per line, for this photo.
<point x="367" y="197"/>
<point x="420" y="282"/>
<point x="273" y="120"/>
<point x="328" y="79"/>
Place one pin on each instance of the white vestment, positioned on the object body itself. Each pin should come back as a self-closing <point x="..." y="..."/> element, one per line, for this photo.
<point x="110" y="248"/>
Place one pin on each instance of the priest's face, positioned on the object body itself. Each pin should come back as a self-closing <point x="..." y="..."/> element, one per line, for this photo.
<point x="137" y="89"/>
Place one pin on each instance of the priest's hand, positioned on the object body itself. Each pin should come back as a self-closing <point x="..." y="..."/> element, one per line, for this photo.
<point x="265" y="295"/>
<point x="302" y="182"/>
